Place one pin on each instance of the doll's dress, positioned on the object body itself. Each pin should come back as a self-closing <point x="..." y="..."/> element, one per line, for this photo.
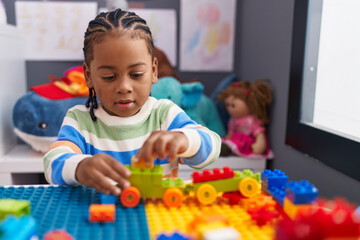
<point x="243" y="131"/>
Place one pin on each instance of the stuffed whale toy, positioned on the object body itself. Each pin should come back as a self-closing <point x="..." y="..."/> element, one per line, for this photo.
<point x="37" y="120"/>
<point x="38" y="115"/>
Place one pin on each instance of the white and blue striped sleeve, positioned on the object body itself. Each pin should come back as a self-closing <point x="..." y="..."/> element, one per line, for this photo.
<point x="204" y="144"/>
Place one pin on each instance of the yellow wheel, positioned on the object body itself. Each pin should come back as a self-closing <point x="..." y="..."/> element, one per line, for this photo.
<point x="206" y="194"/>
<point x="173" y="197"/>
<point x="249" y="187"/>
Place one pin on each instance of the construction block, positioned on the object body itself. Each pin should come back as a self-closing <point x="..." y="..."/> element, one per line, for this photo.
<point x="67" y="207"/>
<point x="141" y="164"/>
<point x="292" y="209"/>
<point x="263" y="215"/>
<point x="338" y="220"/>
<point x="13" y="228"/>
<point x="148" y="181"/>
<point x="301" y="192"/>
<point x="14" y="207"/>
<point x="276" y="178"/>
<point x="259" y="201"/>
<point x="102" y="213"/>
<point x="233" y="197"/>
<point x="278" y="194"/>
<point x="216" y="174"/>
<point x="108" y="199"/>
<point x="163" y="220"/>
<point x="174" y="236"/>
<point x="326" y="220"/>
<point x="233" y="184"/>
<point x="58" y="235"/>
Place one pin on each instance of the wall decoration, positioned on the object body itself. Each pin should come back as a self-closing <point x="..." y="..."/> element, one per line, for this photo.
<point x="54" y="30"/>
<point x="162" y="23"/>
<point x="207" y="35"/>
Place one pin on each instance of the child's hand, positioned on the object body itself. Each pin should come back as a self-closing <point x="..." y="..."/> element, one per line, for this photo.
<point x="93" y="171"/>
<point x="161" y="144"/>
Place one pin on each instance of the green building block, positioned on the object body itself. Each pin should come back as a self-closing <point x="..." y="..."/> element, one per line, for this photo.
<point x="150" y="182"/>
<point x="14" y="207"/>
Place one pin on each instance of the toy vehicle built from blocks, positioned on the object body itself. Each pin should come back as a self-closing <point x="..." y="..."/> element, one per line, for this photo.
<point x="207" y="185"/>
<point x="149" y="183"/>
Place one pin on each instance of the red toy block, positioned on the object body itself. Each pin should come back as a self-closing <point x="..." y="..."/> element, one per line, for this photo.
<point x="102" y="213"/>
<point x="217" y="174"/>
<point x="328" y="220"/>
<point x="263" y="215"/>
<point x="58" y="235"/>
<point x="233" y="197"/>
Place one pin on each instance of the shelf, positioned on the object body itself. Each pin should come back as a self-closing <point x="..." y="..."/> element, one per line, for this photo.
<point x="22" y="159"/>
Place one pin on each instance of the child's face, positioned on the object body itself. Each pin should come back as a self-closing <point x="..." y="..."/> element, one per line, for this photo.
<point x="236" y="107"/>
<point x="121" y="72"/>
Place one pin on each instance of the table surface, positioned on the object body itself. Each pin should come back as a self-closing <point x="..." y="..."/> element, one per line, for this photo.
<point x="67" y="207"/>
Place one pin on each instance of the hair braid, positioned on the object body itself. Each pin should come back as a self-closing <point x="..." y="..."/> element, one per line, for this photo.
<point x="113" y="23"/>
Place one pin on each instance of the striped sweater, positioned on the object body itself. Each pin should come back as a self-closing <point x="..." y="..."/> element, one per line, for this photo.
<point x="122" y="137"/>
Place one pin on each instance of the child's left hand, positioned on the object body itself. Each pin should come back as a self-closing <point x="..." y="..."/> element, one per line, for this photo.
<point x="161" y="144"/>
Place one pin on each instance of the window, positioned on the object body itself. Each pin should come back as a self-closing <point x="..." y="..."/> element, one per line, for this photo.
<point x="324" y="95"/>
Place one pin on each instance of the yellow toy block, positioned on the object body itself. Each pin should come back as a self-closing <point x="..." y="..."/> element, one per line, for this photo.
<point x="292" y="210"/>
<point x="141" y="164"/>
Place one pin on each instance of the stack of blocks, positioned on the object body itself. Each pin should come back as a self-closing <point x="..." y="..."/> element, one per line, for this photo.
<point x="53" y="210"/>
<point x="299" y="195"/>
<point x="274" y="183"/>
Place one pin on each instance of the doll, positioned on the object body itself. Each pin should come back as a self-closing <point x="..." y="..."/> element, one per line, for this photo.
<point x="247" y="105"/>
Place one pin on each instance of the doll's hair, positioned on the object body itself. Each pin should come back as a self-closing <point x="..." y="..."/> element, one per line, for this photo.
<point x="115" y="23"/>
<point x="256" y="95"/>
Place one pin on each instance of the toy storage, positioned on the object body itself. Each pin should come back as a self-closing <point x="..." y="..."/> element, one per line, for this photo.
<point x="18" y="162"/>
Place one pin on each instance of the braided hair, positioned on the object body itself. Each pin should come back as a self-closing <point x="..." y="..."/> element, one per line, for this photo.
<point x="116" y="23"/>
<point x="256" y="95"/>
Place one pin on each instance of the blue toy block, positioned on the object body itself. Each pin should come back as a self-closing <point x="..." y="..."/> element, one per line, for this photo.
<point x="108" y="199"/>
<point x="13" y="228"/>
<point x="174" y="236"/>
<point x="276" y="178"/>
<point x="67" y="207"/>
<point x="301" y="192"/>
<point x="278" y="194"/>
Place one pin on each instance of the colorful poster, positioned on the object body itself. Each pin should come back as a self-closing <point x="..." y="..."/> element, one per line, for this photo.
<point x="54" y="30"/>
<point x="162" y="23"/>
<point x="207" y="35"/>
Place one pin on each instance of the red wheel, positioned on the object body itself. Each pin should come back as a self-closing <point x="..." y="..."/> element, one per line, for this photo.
<point x="130" y="197"/>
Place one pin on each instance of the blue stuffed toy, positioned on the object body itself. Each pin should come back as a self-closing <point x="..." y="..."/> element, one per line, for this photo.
<point x="37" y="120"/>
<point x="38" y="115"/>
<point x="190" y="97"/>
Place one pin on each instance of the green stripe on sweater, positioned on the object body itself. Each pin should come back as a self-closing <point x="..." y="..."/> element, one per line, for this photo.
<point x="128" y="131"/>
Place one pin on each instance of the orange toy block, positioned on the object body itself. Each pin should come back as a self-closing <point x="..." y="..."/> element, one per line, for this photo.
<point x="102" y="213"/>
<point x="141" y="164"/>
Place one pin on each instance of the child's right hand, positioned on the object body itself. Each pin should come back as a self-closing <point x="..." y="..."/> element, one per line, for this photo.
<point x="94" y="171"/>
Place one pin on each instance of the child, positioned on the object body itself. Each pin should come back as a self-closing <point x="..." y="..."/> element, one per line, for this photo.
<point x="247" y="105"/>
<point x="119" y="70"/>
